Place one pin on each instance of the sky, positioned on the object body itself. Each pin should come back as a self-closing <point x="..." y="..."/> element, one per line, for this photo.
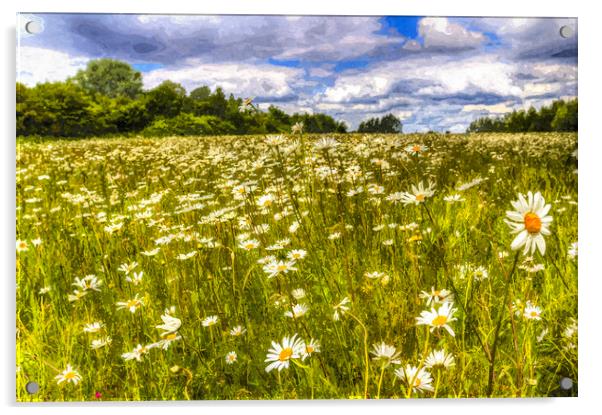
<point x="434" y="73"/>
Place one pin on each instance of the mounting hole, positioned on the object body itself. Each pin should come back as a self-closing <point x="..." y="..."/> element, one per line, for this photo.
<point x="34" y="27"/>
<point x="32" y="387"/>
<point x="566" y="31"/>
<point x="566" y="383"/>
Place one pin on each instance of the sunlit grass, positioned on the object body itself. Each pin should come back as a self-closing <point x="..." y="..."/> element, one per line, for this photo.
<point x="183" y="227"/>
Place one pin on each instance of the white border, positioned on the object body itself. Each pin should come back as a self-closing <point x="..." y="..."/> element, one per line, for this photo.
<point x="590" y="173"/>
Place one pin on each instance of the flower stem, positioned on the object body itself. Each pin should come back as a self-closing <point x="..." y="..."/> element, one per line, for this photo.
<point x="498" y="326"/>
<point x="380" y="380"/>
<point x="366" y="358"/>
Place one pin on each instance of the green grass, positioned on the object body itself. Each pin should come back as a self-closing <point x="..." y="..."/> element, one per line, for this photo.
<point x="178" y="192"/>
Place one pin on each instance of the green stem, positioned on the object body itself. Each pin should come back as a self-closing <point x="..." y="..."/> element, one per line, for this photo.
<point x="366" y="358"/>
<point x="498" y="326"/>
<point x="380" y="380"/>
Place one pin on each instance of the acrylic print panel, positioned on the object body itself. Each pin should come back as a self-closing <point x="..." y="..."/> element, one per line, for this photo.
<point x="295" y="207"/>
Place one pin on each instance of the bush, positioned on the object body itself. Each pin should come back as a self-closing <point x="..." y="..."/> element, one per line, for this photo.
<point x="188" y="124"/>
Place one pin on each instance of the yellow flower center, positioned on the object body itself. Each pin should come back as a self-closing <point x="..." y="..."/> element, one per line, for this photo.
<point x="22" y="245"/>
<point x="417" y="382"/>
<point x="533" y="313"/>
<point x="309" y="349"/>
<point x="70" y="375"/>
<point x="416" y="148"/>
<point x="282" y="267"/>
<point x="532" y="223"/>
<point x="132" y="303"/>
<point x="420" y="197"/>
<point x="170" y="336"/>
<point x="285" y="354"/>
<point x="250" y="246"/>
<point x="439" y="321"/>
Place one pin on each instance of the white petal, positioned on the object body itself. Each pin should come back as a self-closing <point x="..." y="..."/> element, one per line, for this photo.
<point x="515" y="216"/>
<point x="543" y="211"/>
<point x="541" y="244"/>
<point x="520" y="240"/>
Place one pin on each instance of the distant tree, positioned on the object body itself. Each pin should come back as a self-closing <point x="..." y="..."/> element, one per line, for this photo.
<point x="201" y="93"/>
<point x="61" y="109"/>
<point x="387" y="124"/>
<point x="106" y="98"/>
<point x="111" y="78"/>
<point x="166" y="99"/>
<point x="560" y="116"/>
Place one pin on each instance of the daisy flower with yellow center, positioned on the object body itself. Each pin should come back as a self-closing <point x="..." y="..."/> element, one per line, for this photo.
<point x="416" y="149"/>
<point x="312" y="347"/>
<point x="418" y="379"/>
<point x="249" y="244"/>
<point x="530" y="220"/>
<point x="438" y="318"/>
<point x="532" y="312"/>
<point x="296" y="254"/>
<point x="210" y="321"/>
<point x="231" y="358"/>
<point x="237" y="331"/>
<point x="299" y="310"/>
<point x="132" y="305"/>
<point x="418" y="194"/>
<point x="68" y="375"/>
<point x="22" y="246"/>
<point x="280" y="355"/>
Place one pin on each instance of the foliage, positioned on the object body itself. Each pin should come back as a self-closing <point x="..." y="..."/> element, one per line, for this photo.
<point x="559" y="116"/>
<point x="386" y="124"/>
<point x="111" y="78"/>
<point x="107" y="98"/>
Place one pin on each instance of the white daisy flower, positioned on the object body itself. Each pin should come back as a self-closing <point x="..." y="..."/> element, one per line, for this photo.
<point x="68" y="375"/>
<point x="280" y="355"/>
<point x="385" y="353"/>
<point x="438" y="318"/>
<point x="299" y="310"/>
<point x="210" y="321"/>
<point x="418" y="379"/>
<point x="170" y="324"/>
<point x="439" y="359"/>
<point x="530" y="221"/>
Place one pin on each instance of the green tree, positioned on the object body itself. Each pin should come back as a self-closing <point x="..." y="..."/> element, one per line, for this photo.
<point x="387" y="124"/>
<point x="165" y="100"/>
<point x="110" y="77"/>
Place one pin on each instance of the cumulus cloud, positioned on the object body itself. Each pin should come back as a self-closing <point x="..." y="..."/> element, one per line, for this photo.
<point x="168" y="39"/>
<point x="37" y="65"/>
<point x="240" y="79"/>
<point x="532" y="38"/>
<point x="349" y="67"/>
<point x="440" y="33"/>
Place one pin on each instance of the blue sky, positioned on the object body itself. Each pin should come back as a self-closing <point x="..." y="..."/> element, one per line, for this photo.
<point x="434" y="73"/>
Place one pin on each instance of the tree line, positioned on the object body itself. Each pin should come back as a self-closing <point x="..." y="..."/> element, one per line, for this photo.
<point x="559" y="116"/>
<point x="107" y="98"/>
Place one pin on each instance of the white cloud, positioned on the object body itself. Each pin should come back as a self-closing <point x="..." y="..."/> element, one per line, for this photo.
<point x="430" y="76"/>
<point x="37" y="65"/>
<point x="500" y="108"/>
<point x="439" y="32"/>
<point x="240" y="79"/>
<point x="320" y="72"/>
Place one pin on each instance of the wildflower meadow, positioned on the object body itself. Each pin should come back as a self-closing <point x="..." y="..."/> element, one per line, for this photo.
<point x="297" y="266"/>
